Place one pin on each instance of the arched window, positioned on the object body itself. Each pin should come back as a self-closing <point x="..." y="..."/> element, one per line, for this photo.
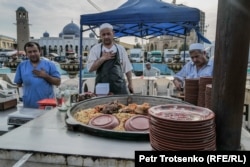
<point x="165" y="46"/>
<point x="50" y="49"/>
<point x="151" y="47"/>
<point x="76" y="49"/>
<point x="44" y="50"/>
<point x="55" y="48"/>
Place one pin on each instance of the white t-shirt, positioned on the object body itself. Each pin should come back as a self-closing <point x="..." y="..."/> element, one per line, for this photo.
<point x="152" y="72"/>
<point x="95" y="53"/>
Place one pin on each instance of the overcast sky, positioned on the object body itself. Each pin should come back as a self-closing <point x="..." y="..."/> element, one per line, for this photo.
<point x="53" y="15"/>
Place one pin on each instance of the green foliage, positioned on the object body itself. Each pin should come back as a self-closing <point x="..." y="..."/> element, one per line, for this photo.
<point x="137" y="46"/>
<point x="184" y="47"/>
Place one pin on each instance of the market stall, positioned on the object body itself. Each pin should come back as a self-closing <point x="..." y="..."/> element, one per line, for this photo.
<point x="133" y="19"/>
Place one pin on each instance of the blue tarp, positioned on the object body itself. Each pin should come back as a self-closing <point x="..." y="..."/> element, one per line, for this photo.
<point x="146" y="19"/>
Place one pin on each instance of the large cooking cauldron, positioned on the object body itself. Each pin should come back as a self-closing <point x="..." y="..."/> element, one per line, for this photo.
<point x="74" y="125"/>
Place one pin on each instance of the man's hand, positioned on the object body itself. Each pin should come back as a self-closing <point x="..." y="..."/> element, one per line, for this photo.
<point x="40" y="73"/>
<point x="105" y="56"/>
<point x="108" y="55"/>
<point x="178" y="84"/>
<point x="130" y="88"/>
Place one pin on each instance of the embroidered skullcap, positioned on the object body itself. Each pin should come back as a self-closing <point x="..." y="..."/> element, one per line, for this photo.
<point x="147" y="63"/>
<point x="106" y="25"/>
<point x="196" y="46"/>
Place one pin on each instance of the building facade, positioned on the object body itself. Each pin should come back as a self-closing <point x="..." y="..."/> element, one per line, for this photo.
<point x="7" y="43"/>
<point x="171" y="42"/>
<point x="68" y="41"/>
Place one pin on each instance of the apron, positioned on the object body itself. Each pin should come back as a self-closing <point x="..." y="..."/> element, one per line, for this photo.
<point x="111" y="72"/>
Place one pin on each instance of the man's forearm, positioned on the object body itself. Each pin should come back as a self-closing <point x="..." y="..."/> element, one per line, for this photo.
<point x="129" y="77"/>
<point x="177" y="79"/>
<point x="178" y="83"/>
<point x="96" y="64"/>
<point x="53" y="80"/>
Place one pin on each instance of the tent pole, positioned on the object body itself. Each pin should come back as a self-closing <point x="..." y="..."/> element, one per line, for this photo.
<point x="143" y="62"/>
<point x="185" y="41"/>
<point x="80" y="65"/>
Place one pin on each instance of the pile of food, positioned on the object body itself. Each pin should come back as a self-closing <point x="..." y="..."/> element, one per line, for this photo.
<point x="120" y="111"/>
<point x="86" y="95"/>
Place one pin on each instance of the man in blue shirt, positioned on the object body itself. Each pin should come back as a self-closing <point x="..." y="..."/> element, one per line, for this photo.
<point x="37" y="76"/>
<point x="200" y="66"/>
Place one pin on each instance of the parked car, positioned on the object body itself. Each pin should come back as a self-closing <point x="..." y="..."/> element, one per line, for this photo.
<point x="136" y="55"/>
<point x="169" y="53"/>
<point x="155" y="56"/>
<point x="185" y="56"/>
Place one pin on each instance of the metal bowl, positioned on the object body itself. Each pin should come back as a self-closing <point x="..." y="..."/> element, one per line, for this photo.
<point x="75" y="125"/>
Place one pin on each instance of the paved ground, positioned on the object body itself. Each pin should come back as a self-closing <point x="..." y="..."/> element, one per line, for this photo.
<point x="245" y="139"/>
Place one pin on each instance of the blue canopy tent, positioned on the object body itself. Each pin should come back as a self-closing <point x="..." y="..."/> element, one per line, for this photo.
<point x="145" y="19"/>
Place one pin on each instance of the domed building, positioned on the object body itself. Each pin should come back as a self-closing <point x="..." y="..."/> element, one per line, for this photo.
<point x="46" y="34"/>
<point x="68" y="41"/>
<point x="71" y="29"/>
<point x="91" y="35"/>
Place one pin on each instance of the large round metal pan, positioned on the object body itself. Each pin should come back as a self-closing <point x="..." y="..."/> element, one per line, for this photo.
<point x="75" y="125"/>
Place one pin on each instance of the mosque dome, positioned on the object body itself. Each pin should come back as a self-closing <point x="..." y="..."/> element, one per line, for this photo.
<point x="60" y="34"/>
<point x="71" y="29"/>
<point x="45" y="34"/>
<point x="77" y="34"/>
<point x="91" y="35"/>
<point x="21" y="9"/>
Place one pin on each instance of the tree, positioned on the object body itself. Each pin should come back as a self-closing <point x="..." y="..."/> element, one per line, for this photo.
<point x="137" y="46"/>
<point x="183" y="47"/>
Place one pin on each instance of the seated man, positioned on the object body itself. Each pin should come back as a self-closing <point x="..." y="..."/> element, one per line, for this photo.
<point x="200" y="66"/>
<point x="150" y="71"/>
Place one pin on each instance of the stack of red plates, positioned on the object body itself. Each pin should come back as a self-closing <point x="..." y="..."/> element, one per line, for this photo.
<point x="208" y="96"/>
<point x="174" y="127"/>
<point x="191" y="91"/>
<point x="202" y="88"/>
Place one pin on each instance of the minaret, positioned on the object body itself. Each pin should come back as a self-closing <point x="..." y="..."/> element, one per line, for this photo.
<point x="22" y="24"/>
